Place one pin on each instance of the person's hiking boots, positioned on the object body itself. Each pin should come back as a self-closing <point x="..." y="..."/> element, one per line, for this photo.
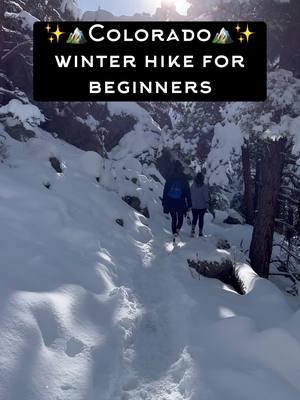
<point x="175" y="236"/>
<point x="193" y="232"/>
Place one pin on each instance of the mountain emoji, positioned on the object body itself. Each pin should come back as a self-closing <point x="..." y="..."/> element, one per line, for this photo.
<point x="223" y="37"/>
<point x="77" y="37"/>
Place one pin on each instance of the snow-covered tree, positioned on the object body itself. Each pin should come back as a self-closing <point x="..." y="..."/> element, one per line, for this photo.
<point x="270" y="127"/>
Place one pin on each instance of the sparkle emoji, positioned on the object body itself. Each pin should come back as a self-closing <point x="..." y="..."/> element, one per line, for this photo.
<point x="247" y="33"/>
<point x="57" y="33"/>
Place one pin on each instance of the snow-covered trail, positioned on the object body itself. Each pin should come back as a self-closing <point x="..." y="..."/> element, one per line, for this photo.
<point x="194" y="335"/>
<point x="91" y="310"/>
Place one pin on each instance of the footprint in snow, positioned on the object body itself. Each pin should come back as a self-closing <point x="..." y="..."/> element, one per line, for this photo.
<point x="66" y="387"/>
<point x="74" y="347"/>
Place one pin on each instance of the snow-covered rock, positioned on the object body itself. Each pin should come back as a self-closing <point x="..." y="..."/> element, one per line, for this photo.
<point x="27" y="114"/>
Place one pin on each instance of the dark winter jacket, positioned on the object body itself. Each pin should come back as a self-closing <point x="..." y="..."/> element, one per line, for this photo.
<point x="200" y="196"/>
<point x="184" y="202"/>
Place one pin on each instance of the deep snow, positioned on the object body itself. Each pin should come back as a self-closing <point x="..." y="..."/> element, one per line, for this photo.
<point x="92" y="310"/>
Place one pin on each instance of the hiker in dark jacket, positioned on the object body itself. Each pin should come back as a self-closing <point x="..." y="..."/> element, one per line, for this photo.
<point x="200" y="202"/>
<point x="177" y="197"/>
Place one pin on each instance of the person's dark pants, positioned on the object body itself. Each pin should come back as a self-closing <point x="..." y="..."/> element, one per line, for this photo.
<point x="198" y="216"/>
<point x="177" y="220"/>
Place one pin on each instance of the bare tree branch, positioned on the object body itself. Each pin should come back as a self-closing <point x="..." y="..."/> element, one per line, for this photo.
<point x="287" y="251"/>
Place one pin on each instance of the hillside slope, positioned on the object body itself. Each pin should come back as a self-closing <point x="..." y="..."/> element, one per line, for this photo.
<point x="93" y="310"/>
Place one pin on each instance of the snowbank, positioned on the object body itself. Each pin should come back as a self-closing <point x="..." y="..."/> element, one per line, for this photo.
<point x="92" y="164"/>
<point x="114" y="305"/>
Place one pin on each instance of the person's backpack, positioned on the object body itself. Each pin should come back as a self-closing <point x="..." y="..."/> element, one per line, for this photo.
<point x="175" y="191"/>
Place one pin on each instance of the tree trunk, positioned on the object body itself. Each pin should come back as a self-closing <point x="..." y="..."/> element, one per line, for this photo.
<point x="1" y="28"/>
<point x="270" y="174"/>
<point x="256" y="180"/>
<point x="248" y="185"/>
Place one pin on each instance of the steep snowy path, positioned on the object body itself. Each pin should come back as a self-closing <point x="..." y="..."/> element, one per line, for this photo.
<point x="196" y="339"/>
<point x="91" y="310"/>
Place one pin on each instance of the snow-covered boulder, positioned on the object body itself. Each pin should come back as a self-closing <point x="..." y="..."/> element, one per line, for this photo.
<point x="28" y="115"/>
<point x="212" y="269"/>
<point x="92" y="164"/>
<point x="233" y="218"/>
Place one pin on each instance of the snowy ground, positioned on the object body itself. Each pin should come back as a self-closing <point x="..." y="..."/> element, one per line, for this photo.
<point x="92" y="310"/>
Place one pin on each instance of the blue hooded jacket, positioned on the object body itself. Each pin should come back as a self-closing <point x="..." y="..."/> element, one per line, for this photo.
<point x="180" y="198"/>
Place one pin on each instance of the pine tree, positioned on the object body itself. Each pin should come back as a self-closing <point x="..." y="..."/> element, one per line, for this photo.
<point x="271" y="167"/>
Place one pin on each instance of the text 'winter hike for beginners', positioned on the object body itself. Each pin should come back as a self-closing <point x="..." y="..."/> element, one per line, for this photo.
<point x="150" y="61"/>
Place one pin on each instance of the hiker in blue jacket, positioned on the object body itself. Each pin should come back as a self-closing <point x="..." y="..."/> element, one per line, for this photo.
<point x="177" y="197"/>
<point x="200" y="202"/>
